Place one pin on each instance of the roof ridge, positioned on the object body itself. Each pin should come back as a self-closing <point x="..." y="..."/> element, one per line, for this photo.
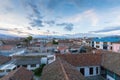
<point x="16" y="71"/>
<point x="63" y="69"/>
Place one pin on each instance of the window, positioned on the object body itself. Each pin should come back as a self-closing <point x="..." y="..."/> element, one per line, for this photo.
<point x="96" y="70"/>
<point x="1" y="71"/>
<point x="33" y="65"/>
<point x="92" y="44"/>
<point x="8" y="70"/>
<point x="110" y="48"/>
<point x="105" y="47"/>
<point x="24" y="65"/>
<point x="82" y="71"/>
<point x="97" y="46"/>
<point x="18" y="66"/>
<point x="91" y="71"/>
<point x="14" y="68"/>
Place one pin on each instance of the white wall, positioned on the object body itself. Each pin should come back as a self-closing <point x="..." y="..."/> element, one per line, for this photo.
<point x="109" y="45"/>
<point x="86" y="69"/>
<point x="44" y="60"/>
<point x="51" y="58"/>
<point x="32" y="68"/>
<point x="101" y="45"/>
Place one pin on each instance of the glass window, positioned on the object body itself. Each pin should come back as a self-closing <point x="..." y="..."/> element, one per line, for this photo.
<point x="96" y="70"/>
<point x="8" y="70"/>
<point x="1" y="71"/>
<point x="24" y="65"/>
<point x="33" y="65"/>
<point x="82" y="71"/>
<point x="111" y="48"/>
<point x="97" y="46"/>
<point x="90" y="70"/>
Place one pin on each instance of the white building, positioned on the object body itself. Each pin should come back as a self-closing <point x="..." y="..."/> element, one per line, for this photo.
<point x="5" y="69"/>
<point x="104" y="43"/>
<point x="29" y="63"/>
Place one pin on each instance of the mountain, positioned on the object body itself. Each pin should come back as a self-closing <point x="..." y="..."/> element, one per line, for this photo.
<point x="80" y="35"/>
<point x="6" y="36"/>
<point x="49" y="36"/>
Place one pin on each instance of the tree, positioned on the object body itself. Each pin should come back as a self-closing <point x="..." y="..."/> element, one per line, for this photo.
<point x="55" y="41"/>
<point x="39" y="70"/>
<point x="27" y="40"/>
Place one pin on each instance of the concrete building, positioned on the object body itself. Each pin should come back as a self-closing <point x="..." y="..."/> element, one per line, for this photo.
<point x="5" y="66"/>
<point x="97" y="66"/>
<point x="29" y="63"/>
<point x="116" y="47"/>
<point x="104" y="43"/>
<point x="61" y="70"/>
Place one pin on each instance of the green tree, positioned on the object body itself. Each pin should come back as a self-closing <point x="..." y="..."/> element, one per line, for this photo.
<point x="27" y="40"/>
<point x="55" y="41"/>
<point x="39" y="70"/>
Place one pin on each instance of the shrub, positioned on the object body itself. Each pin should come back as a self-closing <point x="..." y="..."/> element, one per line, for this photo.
<point x="38" y="71"/>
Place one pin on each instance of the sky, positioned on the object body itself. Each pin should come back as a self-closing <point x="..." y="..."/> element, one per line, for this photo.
<point x="59" y="17"/>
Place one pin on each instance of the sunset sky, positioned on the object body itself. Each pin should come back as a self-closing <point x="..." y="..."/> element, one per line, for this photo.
<point x="34" y="17"/>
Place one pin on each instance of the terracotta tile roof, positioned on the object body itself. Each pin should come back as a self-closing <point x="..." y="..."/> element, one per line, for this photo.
<point x="106" y="59"/>
<point x="65" y="41"/>
<point x="61" y="70"/>
<point x="6" y="47"/>
<point x="49" y="44"/>
<point x="19" y="74"/>
<point x="4" y="59"/>
<point x="75" y="46"/>
<point x="100" y="51"/>
<point x="62" y="48"/>
<point x="111" y="62"/>
<point x="11" y="42"/>
<point x="81" y="59"/>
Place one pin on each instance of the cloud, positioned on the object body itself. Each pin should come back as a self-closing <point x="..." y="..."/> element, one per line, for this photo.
<point x="108" y="29"/>
<point x="54" y="32"/>
<point x="29" y="28"/>
<point x="62" y="24"/>
<point x="4" y="29"/>
<point x="6" y="6"/>
<point x="35" y="17"/>
<point x="90" y="14"/>
<point x="83" y="17"/>
<point x="36" y="22"/>
<point x="67" y="26"/>
<point x="51" y="22"/>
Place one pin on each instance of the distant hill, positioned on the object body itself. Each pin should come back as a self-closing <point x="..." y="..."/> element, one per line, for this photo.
<point x="80" y="35"/>
<point x="5" y="36"/>
<point x="49" y="36"/>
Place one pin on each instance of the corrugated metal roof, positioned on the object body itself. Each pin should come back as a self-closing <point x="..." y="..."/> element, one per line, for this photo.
<point x="28" y="61"/>
<point x="107" y="39"/>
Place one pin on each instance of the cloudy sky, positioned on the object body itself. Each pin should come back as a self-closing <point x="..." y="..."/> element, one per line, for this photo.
<point x="29" y="17"/>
